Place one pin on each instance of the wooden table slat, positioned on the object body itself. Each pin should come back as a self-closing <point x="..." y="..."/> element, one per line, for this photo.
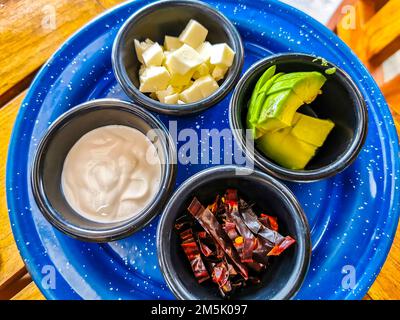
<point x="30" y="292"/>
<point x="30" y="31"/>
<point x="10" y="260"/>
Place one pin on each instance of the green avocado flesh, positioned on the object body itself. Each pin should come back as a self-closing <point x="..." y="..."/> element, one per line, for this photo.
<point x="293" y="147"/>
<point x="311" y="130"/>
<point x="256" y="105"/>
<point x="285" y="149"/>
<point x="252" y="113"/>
<point x="289" y="138"/>
<point x="306" y="85"/>
<point x="282" y="106"/>
<point x="287" y="94"/>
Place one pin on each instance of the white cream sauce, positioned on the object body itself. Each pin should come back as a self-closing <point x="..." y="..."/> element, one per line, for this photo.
<point x="111" y="174"/>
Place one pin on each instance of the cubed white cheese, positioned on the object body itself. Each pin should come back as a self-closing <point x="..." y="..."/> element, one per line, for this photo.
<point x="153" y="55"/>
<point x="200" y="89"/>
<point x="207" y="85"/>
<point x="178" y="89"/>
<point x="188" y="85"/>
<point x="140" y="47"/>
<point x="193" y="34"/>
<point x="183" y="60"/>
<point x="191" y="94"/>
<point x="218" y="72"/>
<point x="166" y="54"/>
<point x="201" y="71"/>
<point x="178" y="80"/>
<point x="154" y="79"/>
<point x="171" y="99"/>
<point x="181" y="102"/>
<point x="222" y="54"/>
<point x="205" y="50"/>
<point x="172" y="43"/>
<point x="141" y="69"/>
<point x="161" y="94"/>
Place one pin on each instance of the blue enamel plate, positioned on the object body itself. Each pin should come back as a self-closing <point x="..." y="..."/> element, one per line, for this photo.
<point x="353" y="215"/>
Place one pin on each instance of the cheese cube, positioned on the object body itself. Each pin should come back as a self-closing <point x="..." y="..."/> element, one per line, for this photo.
<point x="140" y="47"/>
<point x="201" y="71"/>
<point x="222" y="54"/>
<point x="193" y="34"/>
<point x="154" y="79"/>
<point x="166" y="54"/>
<point x="181" y="102"/>
<point x="141" y="69"/>
<point x="172" y="99"/>
<point x="179" y="89"/>
<point x="149" y="41"/>
<point x="178" y="80"/>
<point x="188" y="85"/>
<point x="183" y="60"/>
<point x="219" y="72"/>
<point x="172" y="43"/>
<point x="153" y="56"/>
<point x="205" y="50"/>
<point x="161" y="94"/>
<point x="191" y="94"/>
<point x="207" y="85"/>
<point x="200" y="89"/>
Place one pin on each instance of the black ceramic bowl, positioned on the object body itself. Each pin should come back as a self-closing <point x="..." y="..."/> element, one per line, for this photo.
<point x="283" y="276"/>
<point x="170" y="18"/>
<point x="341" y="102"/>
<point x="54" y="147"/>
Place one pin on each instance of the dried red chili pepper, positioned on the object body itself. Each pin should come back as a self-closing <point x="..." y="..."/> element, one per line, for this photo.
<point x="271" y="237"/>
<point x="208" y="221"/>
<point x="205" y="250"/>
<point x="278" y="249"/>
<point x="220" y="275"/>
<point x="214" y="206"/>
<point x="192" y="252"/>
<point x="269" y="221"/>
<point x="230" y="239"/>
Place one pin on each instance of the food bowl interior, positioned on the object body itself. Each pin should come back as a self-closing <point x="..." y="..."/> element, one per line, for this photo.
<point x="282" y="271"/>
<point x="169" y="19"/>
<point x="337" y="102"/>
<point x="61" y="140"/>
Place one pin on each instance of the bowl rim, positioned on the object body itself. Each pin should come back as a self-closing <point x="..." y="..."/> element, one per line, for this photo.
<point x="338" y="165"/>
<point x="175" y="109"/>
<point x="124" y="228"/>
<point x="227" y="170"/>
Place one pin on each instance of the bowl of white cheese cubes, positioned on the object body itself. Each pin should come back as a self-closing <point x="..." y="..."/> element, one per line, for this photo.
<point x="177" y="57"/>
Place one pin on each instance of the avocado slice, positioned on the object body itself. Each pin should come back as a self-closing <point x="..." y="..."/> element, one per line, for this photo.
<point x="271" y="142"/>
<point x="285" y="149"/>
<point x="255" y="108"/>
<point x="268" y="74"/>
<point x="306" y="85"/>
<point x="311" y="130"/>
<point x="285" y="96"/>
<point x="263" y="79"/>
<point x="278" y="111"/>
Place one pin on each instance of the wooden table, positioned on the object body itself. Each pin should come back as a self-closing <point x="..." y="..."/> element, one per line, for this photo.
<point x="29" y="34"/>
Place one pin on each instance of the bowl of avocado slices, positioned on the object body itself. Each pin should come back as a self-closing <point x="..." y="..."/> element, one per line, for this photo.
<point x="298" y="117"/>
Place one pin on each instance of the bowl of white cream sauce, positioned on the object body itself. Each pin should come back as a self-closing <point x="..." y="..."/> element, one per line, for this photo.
<point x="103" y="170"/>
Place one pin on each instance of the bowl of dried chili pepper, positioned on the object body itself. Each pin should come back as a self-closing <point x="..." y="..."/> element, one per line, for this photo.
<point x="229" y="232"/>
